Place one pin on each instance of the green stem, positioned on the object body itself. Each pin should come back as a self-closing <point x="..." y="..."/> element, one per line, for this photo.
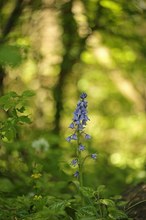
<point x="79" y="160"/>
<point x="100" y="208"/>
<point x="80" y="170"/>
<point x="80" y="165"/>
<point x="83" y="161"/>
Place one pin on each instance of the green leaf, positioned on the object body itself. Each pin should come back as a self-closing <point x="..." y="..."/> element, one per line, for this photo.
<point x="86" y="211"/>
<point x="21" y="110"/>
<point x="24" y="119"/>
<point x="12" y="94"/>
<point x="116" y="214"/>
<point x="107" y="202"/>
<point x="87" y="192"/>
<point x="28" y="93"/>
<point x="3" y="100"/>
<point x="10" y="134"/>
<point x="10" y="55"/>
<point x="7" y="106"/>
<point x="8" y="101"/>
<point x="59" y="205"/>
<point x="14" y="113"/>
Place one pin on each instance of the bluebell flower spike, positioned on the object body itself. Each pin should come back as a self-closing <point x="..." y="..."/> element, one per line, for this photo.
<point x="80" y="117"/>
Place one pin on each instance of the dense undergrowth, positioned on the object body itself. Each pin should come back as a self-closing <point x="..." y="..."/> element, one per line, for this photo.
<point x="41" y="182"/>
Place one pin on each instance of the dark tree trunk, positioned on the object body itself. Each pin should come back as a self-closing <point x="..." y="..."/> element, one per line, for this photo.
<point x="73" y="46"/>
<point x="10" y="24"/>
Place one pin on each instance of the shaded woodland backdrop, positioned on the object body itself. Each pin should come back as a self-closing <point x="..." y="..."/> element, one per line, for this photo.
<point x="58" y="49"/>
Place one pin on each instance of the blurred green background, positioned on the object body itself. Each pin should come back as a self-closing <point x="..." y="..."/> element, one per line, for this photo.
<point x="58" y="49"/>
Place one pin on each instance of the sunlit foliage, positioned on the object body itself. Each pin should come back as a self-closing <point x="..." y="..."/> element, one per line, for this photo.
<point x="59" y="49"/>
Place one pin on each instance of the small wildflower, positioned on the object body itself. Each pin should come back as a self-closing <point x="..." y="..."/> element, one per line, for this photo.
<point x="74" y="162"/>
<point x="78" y="124"/>
<point x="83" y="95"/>
<point x="71" y="125"/>
<point x="87" y="136"/>
<point x="80" y="114"/>
<point x="80" y="127"/>
<point x="68" y="138"/>
<point x="76" y="174"/>
<point x="81" y="147"/>
<point x="74" y="137"/>
<point x="94" y="156"/>
<point x="40" y="144"/>
<point x="84" y="122"/>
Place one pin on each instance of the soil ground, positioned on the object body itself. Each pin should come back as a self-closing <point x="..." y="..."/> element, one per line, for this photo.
<point x="136" y="197"/>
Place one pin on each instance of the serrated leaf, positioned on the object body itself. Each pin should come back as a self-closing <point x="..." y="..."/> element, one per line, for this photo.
<point x="28" y="93"/>
<point x="86" y="211"/>
<point x="10" y="134"/>
<point x="87" y="192"/>
<point x="59" y="205"/>
<point x="8" y="101"/>
<point x="7" y="106"/>
<point x="107" y="202"/>
<point x="24" y="119"/>
<point x="117" y="214"/>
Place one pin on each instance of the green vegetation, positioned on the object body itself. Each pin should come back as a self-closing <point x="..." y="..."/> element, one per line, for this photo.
<point x="51" y="51"/>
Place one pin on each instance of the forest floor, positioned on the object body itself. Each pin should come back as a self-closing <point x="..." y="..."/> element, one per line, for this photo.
<point x="136" y="197"/>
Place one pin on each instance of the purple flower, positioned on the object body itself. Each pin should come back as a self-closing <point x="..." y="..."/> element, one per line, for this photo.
<point x="71" y="125"/>
<point x="83" y="95"/>
<point x="76" y="174"/>
<point x="83" y="122"/>
<point x="80" y="127"/>
<point x="74" y="162"/>
<point x="74" y="137"/>
<point x="81" y="147"/>
<point x="68" y="138"/>
<point x="80" y="114"/>
<point x="87" y="136"/>
<point x="94" y="156"/>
